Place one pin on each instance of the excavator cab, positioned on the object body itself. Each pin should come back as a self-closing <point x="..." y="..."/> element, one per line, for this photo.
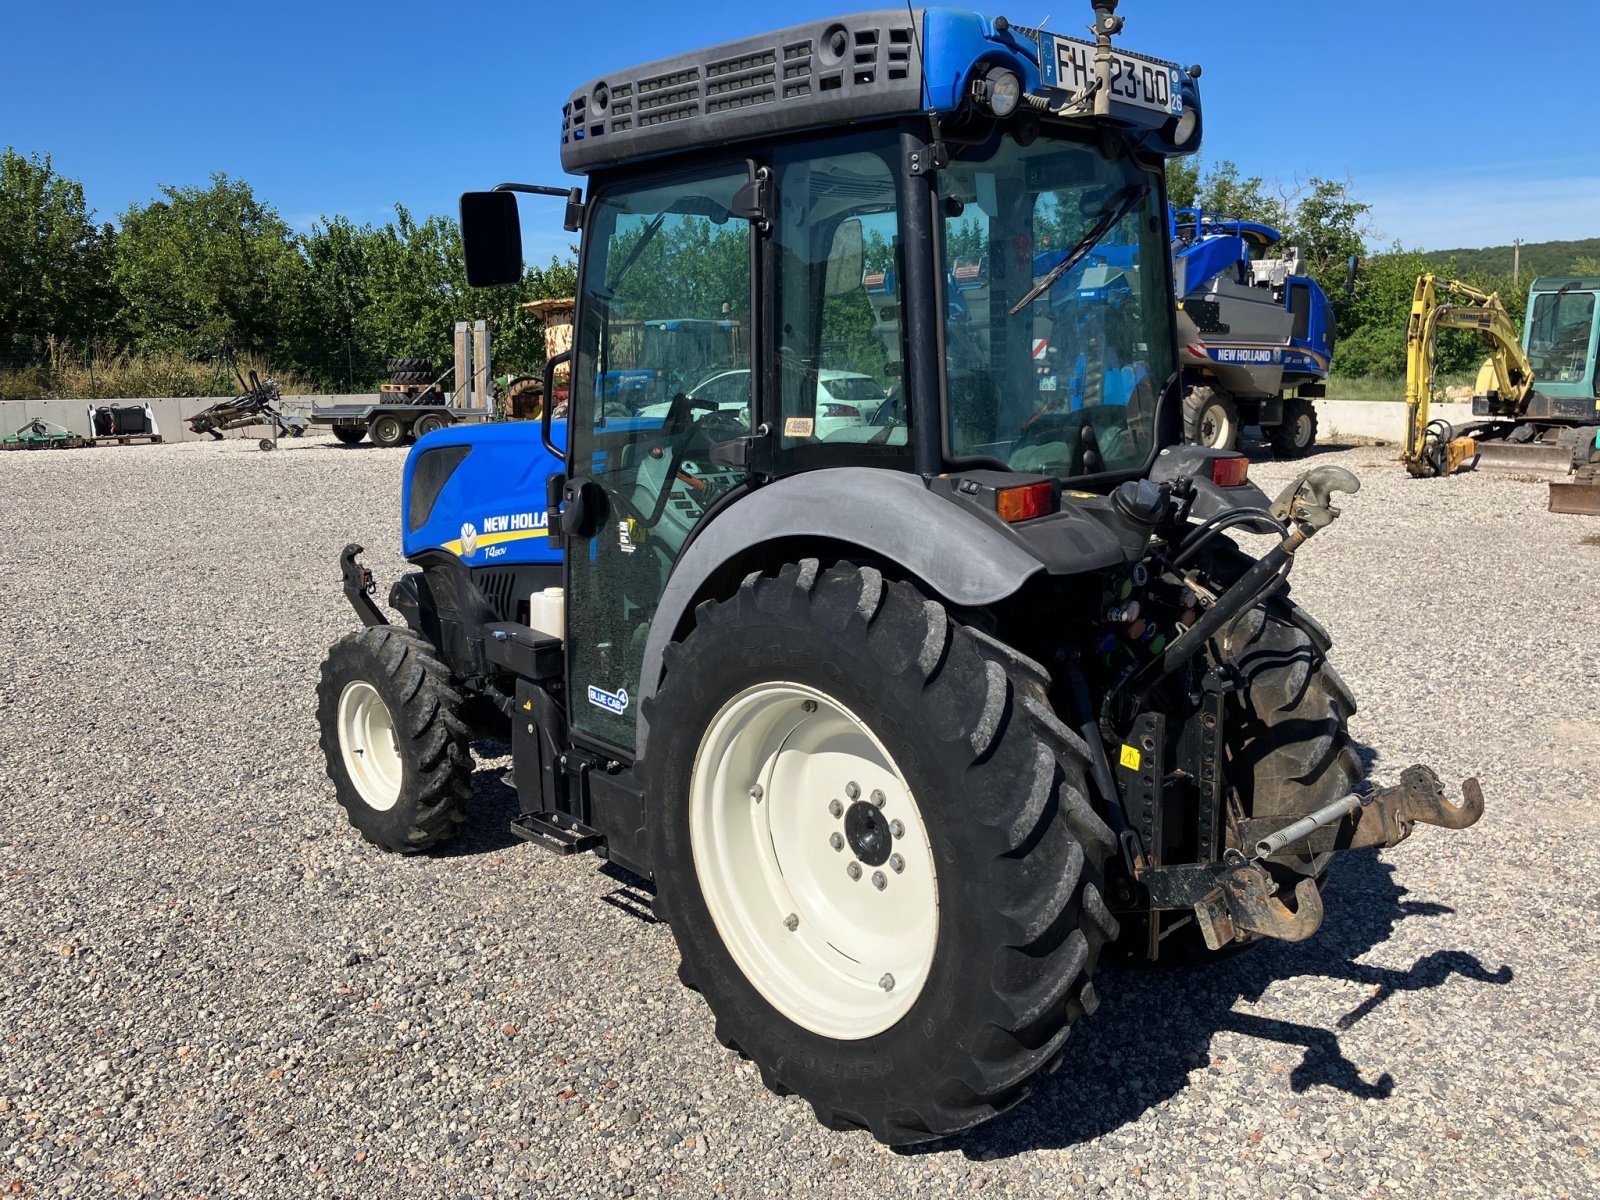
<point x="1562" y="335"/>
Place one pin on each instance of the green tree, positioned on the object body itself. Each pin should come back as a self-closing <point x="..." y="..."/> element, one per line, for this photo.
<point x="54" y="261"/>
<point x="207" y="267"/>
<point x="1183" y="181"/>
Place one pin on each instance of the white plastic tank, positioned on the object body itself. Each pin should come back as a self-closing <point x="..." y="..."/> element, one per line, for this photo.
<point x="547" y="611"/>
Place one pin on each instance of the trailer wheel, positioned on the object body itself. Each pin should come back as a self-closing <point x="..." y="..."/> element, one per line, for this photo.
<point x="393" y="738"/>
<point x="1298" y="432"/>
<point x="428" y="424"/>
<point x="349" y="434"/>
<point x="1210" y="418"/>
<point x="387" y="430"/>
<point x="873" y="843"/>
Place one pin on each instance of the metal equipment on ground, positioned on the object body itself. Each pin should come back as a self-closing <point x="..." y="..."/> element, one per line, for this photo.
<point x="1536" y="402"/>
<point x="908" y="721"/>
<point x="256" y="406"/>
<point x="39" y="434"/>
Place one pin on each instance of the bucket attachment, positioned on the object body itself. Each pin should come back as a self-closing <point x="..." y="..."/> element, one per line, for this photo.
<point x="1528" y="458"/>
<point x="1581" y="496"/>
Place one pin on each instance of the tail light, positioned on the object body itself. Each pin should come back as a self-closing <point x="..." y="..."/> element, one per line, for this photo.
<point x="840" y="410"/>
<point x="1024" y="503"/>
<point x="1230" y="472"/>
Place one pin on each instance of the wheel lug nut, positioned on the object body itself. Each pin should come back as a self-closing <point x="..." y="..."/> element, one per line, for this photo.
<point x="853" y="790"/>
<point x="791" y="922"/>
<point x="879" y="880"/>
<point x="887" y="983"/>
<point x="837" y="841"/>
<point x="853" y="870"/>
<point x="836" y="808"/>
<point x="756" y="792"/>
<point x="896" y="863"/>
<point x="878" y="798"/>
<point x="896" y="828"/>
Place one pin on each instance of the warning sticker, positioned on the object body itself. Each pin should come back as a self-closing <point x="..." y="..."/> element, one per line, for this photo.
<point x="1130" y="757"/>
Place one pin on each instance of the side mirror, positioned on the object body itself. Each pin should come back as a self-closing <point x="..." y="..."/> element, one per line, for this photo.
<point x="1350" y="276"/>
<point x="491" y="238"/>
<point x="846" y="259"/>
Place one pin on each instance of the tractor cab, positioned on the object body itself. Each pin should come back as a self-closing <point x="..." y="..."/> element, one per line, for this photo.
<point x="947" y="250"/>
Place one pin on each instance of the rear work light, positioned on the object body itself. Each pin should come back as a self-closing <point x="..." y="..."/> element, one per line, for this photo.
<point x="1230" y="472"/>
<point x="1024" y="503"/>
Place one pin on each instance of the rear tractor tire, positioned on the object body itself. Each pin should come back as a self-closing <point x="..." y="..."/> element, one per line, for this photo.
<point x="1210" y="418"/>
<point x="394" y="739"/>
<point x="874" y="846"/>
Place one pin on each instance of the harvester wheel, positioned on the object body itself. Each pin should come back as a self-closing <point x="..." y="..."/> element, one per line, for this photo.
<point x="1210" y="418"/>
<point x="1297" y="433"/>
<point x="349" y="434"/>
<point x="873" y="842"/>
<point x="387" y="430"/>
<point x="394" y="740"/>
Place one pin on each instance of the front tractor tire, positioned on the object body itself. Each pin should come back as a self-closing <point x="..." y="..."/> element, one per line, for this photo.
<point x="1288" y="747"/>
<point x="873" y="842"/>
<point x="394" y="739"/>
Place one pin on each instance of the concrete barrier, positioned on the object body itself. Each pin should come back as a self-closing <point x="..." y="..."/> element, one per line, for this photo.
<point x="1381" y="419"/>
<point x="171" y="413"/>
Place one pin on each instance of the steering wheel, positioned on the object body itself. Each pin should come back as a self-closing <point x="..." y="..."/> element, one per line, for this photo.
<point x="1064" y="427"/>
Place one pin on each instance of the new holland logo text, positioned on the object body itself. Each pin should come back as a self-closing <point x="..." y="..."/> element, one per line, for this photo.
<point x="613" y="702"/>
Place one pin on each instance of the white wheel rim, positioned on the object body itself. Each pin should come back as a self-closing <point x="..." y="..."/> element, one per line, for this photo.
<point x="844" y="957"/>
<point x="1215" y="427"/>
<point x="367" y="743"/>
<point x="1302" y="430"/>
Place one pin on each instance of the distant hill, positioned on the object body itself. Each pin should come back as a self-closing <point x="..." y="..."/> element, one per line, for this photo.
<point x="1538" y="258"/>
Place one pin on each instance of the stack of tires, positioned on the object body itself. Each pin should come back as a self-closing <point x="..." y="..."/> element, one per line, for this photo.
<point x="411" y="371"/>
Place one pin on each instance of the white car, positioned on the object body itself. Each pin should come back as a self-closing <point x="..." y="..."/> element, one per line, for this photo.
<point x="844" y="398"/>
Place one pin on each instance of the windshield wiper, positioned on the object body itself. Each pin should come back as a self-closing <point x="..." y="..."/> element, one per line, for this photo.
<point x="649" y="233"/>
<point x="1125" y="201"/>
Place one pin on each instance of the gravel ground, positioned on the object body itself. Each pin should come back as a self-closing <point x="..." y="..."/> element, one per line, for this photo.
<point x="213" y="987"/>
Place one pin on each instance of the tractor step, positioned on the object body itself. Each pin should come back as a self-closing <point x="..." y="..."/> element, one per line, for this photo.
<point x="546" y="831"/>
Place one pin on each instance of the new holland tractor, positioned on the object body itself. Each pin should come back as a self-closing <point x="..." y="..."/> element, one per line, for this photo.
<point x="908" y="721"/>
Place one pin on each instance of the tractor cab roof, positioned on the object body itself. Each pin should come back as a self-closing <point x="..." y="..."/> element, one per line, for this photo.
<point x="884" y="64"/>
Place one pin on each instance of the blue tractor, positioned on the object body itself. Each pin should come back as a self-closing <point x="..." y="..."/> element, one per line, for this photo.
<point x="906" y="721"/>
<point x="1256" y="334"/>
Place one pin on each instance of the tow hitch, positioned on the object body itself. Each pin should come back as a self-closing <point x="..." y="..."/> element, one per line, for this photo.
<point x="1244" y="900"/>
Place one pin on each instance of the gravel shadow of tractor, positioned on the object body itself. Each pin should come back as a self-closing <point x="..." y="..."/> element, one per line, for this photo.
<point x="1127" y="1067"/>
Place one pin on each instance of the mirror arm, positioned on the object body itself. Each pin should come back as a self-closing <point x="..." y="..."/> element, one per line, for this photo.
<point x="574" y="197"/>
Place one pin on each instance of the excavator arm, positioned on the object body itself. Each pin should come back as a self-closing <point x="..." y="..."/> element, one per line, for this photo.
<point x="1431" y="447"/>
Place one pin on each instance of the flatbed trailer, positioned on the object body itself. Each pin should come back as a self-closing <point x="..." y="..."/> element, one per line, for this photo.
<point x="391" y="424"/>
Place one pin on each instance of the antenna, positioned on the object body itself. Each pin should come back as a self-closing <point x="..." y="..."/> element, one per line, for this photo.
<point x="922" y="61"/>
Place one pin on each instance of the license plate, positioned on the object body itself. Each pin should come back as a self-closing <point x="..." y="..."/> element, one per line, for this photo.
<point x="1142" y="82"/>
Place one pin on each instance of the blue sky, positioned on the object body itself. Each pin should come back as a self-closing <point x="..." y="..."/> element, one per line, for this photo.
<point x="1464" y="122"/>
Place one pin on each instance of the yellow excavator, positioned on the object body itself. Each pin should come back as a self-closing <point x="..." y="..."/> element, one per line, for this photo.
<point x="1552" y="427"/>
